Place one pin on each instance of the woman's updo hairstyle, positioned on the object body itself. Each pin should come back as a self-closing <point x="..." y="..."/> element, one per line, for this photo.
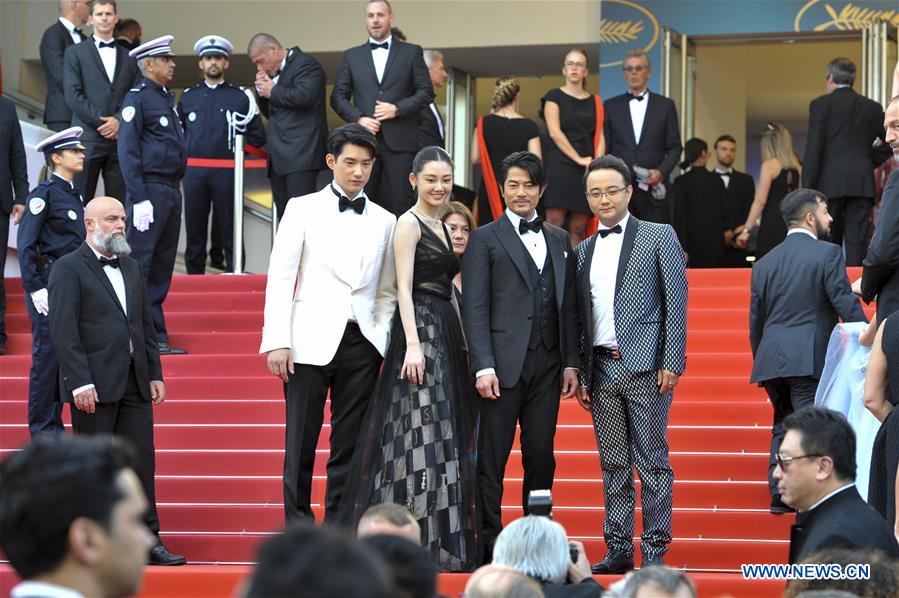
<point x="504" y="92"/>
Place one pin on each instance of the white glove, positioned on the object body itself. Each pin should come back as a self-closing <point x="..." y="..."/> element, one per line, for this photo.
<point x="41" y="304"/>
<point x="143" y="215"/>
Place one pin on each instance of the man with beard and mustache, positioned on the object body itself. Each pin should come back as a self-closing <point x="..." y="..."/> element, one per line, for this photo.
<point x="102" y="329"/>
<point x="737" y="191"/>
<point x="205" y="110"/>
<point x="798" y="291"/>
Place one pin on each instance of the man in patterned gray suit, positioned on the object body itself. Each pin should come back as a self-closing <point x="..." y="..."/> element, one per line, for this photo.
<point x="632" y="302"/>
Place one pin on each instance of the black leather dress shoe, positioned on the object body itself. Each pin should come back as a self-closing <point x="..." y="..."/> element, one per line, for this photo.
<point x="779" y="507"/>
<point x="161" y="556"/>
<point x="655" y="561"/>
<point x="167" y="349"/>
<point x="613" y="564"/>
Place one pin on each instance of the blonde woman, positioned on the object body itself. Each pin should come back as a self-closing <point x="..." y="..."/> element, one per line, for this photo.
<point x="780" y="173"/>
<point x="498" y="134"/>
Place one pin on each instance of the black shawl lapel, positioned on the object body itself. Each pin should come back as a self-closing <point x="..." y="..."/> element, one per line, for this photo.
<point x="627" y="246"/>
<point x="94" y="264"/>
<point x="508" y="236"/>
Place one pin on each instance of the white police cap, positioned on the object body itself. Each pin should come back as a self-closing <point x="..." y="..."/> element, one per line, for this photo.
<point x="212" y="45"/>
<point x="161" y="46"/>
<point x="68" y="139"/>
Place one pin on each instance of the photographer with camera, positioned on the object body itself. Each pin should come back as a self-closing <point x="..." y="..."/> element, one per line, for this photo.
<point x="538" y="547"/>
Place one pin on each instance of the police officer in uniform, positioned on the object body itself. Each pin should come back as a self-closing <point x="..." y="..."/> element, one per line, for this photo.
<point x="153" y="156"/>
<point x="52" y="226"/>
<point x="205" y="110"/>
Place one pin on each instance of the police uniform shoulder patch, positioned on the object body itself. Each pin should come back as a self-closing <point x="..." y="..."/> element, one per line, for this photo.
<point x="36" y="205"/>
<point x="128" y="113"/>
<point x="72" y="215"/>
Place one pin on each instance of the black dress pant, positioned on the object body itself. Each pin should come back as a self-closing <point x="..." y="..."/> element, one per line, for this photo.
<point x="101" y="157"/>
<point x="533" y="403"/>
<point x="294" y="184"/>
<point x="787" y="396"/>
<point x="645" y="207"/>
<point x="131" y="418"/>
<point x="850" y="225"/>
<point x="208" y="189"/>
<point x="351" y="376"/>
<point x="389" y="185"/>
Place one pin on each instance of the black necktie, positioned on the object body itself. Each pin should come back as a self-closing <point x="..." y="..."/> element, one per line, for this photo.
<point x="534" y="225"/>
<point x="639" y="98"/>
<point x="345" y="203"/>
<point x="605" y="232"/>
<point x="113" y="262"/>
<point x="374" y="46"/>
<point x="106" y="45"/>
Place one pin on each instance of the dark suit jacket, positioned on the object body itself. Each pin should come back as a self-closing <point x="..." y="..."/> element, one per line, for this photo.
<point x="839" y="160"/>
<point x="405" y="83"/>
<point x="297" y="126"/>
<point x="588" y="588"/>
<point x="660" y="142"/>
<point x="498" y="298"/>
<point x="429" y="130"/>
<point x="842" y="521"/>
<point x="650" y="300"/>
<point x="53" y="45"/>
<point x="797" y="292"/>
<point x="879" y="278"/>
<point x="13" y="166"/>
<point x="91" y="331"/>
<point x="88" y="91"/>
<point x="738" y="198"/>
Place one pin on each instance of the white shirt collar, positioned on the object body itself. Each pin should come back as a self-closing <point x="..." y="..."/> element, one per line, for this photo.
<point x="342" y="192"/>
<point x="724" y="170"/>
<point x="642" y="94"/>
<point x="46" y="590"/>
<point x="213" y="86"/>
<point x="97" y="40"/>
<point x="67" y="24"/>
<point x="801" y="230"/>
<point x="840" y="489"/>
<point x="388" y="39"/>
<point x="61" y="178"/>
<point x="842" y="85"/>
<point x="515" y="218"/>
<point x="622" y="223"/>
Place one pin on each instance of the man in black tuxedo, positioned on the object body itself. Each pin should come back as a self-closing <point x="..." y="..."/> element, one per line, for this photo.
<point x="840" y="158"/>
<point x="816" y="475"/>
<point x="103" y="333"/>
<point x="383" y="85"/>
<point x="59" y="36"/>
<point x="96" y="77"/>
<point x="13" y="190"/>
<point x="798" y="291"/>
<point x="737" y="193"/>
<point x="431" y="126"/>
<point x="520" y="319"/>
<point x="127" y="34"/>
<point x="641" y="128"/>
<point x="880" y="277"/>
<point x="290" y="85"/>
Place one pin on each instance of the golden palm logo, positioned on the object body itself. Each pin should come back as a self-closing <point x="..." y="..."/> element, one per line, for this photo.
<point x="847" y="17"/>
<point x="628" y="24"/>
<point x="616" y="32"/>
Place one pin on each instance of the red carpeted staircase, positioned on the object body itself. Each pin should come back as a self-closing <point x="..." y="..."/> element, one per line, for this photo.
<point x="219" y="441"/>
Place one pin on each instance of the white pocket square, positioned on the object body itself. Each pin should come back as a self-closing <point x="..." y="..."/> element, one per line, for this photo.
<point x="565" y="254"/>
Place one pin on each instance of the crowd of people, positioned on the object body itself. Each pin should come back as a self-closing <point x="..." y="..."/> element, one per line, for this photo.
<point x="443" y="327"/>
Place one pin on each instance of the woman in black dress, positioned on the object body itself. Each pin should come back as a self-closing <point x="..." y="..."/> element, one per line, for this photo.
<point x="498" y="134"/>
<point x="574" y="119"/>
<point x="881" y="398"/>
<point x="780" y="173"/>
<point x="699" y="215"/>
<point x="419" y="448"/>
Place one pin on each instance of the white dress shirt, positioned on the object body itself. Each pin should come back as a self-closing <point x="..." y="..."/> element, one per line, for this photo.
<point x="70" y="27"/>
<point x="725" y="174"/>
<point x="603" y="271"/>
<point x="281" y="68"/>
<point x="354" y="226"/>
<point x="802" y="230"/>
<point x="379" y="56"/>
<point x="118" y="285"/>
<point x="34" y="589"/>
<point x="107" y="55"/>
<point x="638" y="113"/>
<point x="439" y="119"/>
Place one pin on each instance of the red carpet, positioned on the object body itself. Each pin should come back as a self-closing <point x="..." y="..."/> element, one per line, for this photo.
<point x="219" y="439"/>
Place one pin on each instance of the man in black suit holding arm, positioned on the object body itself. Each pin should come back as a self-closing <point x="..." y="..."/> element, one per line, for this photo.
<point x="738" y="190"/>
<point x="840" y="157"/>
<point x="96" y="76"/>
<point x="291" y="89"/>
<point x="103" y="333"/>
<point x="641" y="128"/>
<point x="383" y="85"/>
<point x="520" y="319"/>
<point x="798" y="291"/>
<point x="59" y="36"/>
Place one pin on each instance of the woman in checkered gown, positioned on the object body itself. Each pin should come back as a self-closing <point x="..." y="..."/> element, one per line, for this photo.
<point x="419" y="448"/>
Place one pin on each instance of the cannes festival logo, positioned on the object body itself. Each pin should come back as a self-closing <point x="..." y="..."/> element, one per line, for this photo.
<point x="818" y="15"/>
<point x="625" y="25"/>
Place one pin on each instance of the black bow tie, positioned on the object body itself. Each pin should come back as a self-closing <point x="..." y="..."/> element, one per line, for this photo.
<point x="639" y="98"/>
<point x="375" y="46"/>
<point x="112" y="262"/>
<point x="345" y="203"/>
<point x="106" y="45"/>
<point x="605" y="232"/>
<point x="534" y="225"/>
<point x="719" y="173"/>
<point x="78" y="31"/>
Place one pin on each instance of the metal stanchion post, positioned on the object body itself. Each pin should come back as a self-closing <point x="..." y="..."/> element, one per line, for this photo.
<point x="238" y="204"/>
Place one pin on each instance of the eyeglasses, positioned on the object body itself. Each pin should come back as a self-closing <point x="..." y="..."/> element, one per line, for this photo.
<point x="576" y="65"/>
<point x="634" y="69"/>
<point x="611" y="193"/>
<point x="782" y="461"/>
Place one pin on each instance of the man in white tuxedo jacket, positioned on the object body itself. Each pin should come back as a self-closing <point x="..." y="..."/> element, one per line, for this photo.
<point x="329" y="302"/>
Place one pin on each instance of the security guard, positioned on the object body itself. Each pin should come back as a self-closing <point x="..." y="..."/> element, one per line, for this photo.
<point x="52" y="226"/>
<point x="153" y="156"/>
<point x="210" y="111"/>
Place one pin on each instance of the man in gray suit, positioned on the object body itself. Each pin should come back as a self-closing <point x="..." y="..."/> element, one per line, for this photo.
<point x="632" y="301"/>
<point x="798" y="290"/>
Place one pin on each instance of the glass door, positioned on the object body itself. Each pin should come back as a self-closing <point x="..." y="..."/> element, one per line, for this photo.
<point x="679" y="76"/>
<point x="878" y="59"/>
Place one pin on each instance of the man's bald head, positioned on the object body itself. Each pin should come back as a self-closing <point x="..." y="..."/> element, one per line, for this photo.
<point x="389" y="519"/>
<point x="99" y="206"/>
<point x="496" y="581"/>
<point x="104" y="219"/>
